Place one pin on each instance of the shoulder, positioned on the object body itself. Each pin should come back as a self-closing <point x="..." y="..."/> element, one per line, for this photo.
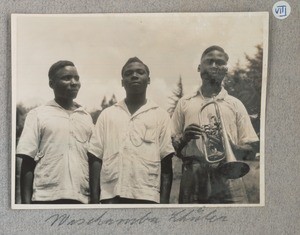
<point x="184" y="101"/>
<point x="234" y="101"/>
<point x="163" y="114"/>
<point x="236" y="105"/>
<point x="189" y="96"/>
<point x="156" y="108"/>
<point x="108" y="113"/>
<point x="84" y="115"/>
<point x="109" y="110"/>
<point x="154" y="111"/>
<point x="38" y="110"/>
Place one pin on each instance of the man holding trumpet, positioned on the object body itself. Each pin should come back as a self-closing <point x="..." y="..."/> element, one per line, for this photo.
<point x="212" y="131"/>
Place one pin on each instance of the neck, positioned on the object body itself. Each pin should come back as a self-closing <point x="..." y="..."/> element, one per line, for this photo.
<point x="134" y="102"/>
<point x="67" y="104"/>
<point x="209" y="89"/>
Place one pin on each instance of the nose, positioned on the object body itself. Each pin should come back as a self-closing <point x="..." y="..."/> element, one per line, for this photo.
<point x="214" y="65"/>
<point x="134" y="75"/>
<point x="74" y="81"/>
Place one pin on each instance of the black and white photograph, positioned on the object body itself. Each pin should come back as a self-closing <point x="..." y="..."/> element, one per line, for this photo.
<point x="138" y="110"/>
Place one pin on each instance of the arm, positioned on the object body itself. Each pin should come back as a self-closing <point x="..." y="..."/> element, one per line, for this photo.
<point x="166" y="179"/>
<point x="248" y="143"/>
<point x="245" y="151"/>
<point x="27" y="173"/>
<point x="94" y="174"/>
<point x="193" y="131"/>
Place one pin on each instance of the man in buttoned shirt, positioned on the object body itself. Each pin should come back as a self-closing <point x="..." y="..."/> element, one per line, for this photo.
<point x="132" y="146"/>
<point x="201" y="181"/>
<point x="54" y="142"/>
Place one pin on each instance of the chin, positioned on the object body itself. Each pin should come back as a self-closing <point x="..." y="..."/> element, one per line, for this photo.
<point x="216" y="79"/>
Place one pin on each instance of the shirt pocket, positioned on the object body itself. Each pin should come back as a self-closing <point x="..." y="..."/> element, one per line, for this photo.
<point x="150" y="133"/>
<point x="81" y="129"/>
<point x="110" y="168"/>
<point x="150" y="174"/>
<point x="49" y="170"/>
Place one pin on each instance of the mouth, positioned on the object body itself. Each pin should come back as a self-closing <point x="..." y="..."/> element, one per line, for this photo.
<point x="135" y="83"/>
<point x="74" y="90"/>
<point x="214" y="71"/>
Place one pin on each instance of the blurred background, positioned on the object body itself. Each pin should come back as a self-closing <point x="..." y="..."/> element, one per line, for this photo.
<point x="170" y="44"/>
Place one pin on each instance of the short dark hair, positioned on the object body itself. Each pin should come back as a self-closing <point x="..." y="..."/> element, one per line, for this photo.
<point x="132" y="60"/>
<point x="58" y="65"/>
<point x="215" y="48"/>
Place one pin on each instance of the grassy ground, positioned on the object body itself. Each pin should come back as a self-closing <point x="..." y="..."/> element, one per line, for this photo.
<point x="251" y="181"/>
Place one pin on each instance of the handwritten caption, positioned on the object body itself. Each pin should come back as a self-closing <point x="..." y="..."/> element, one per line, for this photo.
<point x="181" y="216"/>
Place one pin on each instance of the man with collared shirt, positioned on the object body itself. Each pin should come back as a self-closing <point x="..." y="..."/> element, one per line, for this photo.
<point x="54" y="142"/>
<point x="132" y="146"/>
<point x="201" y="181"/>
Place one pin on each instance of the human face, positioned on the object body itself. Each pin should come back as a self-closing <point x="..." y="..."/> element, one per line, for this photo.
<point x="66" y="83"/>
<point x="135" y="78"/>
<point x="213" y="66"/>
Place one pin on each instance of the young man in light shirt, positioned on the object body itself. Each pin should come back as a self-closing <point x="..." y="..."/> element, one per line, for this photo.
<point x="132" y="146"/>
<point x="201" y="181"/>
<point x="54" y="142"/>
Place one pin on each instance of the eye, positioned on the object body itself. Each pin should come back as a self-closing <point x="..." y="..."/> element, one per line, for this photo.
<point x="66" y="78"/>
<point x="209" y="61"/>
<point x="69" y="77"/>
<point x="220" y="62"/>
<point x="128" y="72"/>
<point x="141" y="71"/>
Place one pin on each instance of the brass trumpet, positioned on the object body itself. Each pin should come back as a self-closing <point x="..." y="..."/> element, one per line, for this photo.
<point x="231" y="168"/>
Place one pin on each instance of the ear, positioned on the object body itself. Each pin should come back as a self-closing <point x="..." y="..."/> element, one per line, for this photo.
<point x="51" y="83"/>
<point x="198" y="69"/>
<point x="122" y="82"/>
<point x="148" y="80"/>
<point x="225" y="69"/>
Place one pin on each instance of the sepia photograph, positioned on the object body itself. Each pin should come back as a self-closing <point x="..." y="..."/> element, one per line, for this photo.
<point x="150" y="110"/>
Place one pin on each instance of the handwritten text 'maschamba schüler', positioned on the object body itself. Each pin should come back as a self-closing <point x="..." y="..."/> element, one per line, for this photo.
<point x="184" y="215"/>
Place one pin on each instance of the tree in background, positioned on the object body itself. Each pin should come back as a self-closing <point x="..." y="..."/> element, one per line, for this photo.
<point x="21" y="114"/>
<point x="177" y="94"/>
<point x="245" y="84"/>
<point x="112" y="100"/>
<point x="104" y="104"/>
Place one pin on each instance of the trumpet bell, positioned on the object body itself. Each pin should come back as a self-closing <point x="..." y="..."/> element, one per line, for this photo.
<point x="234" y="169"/>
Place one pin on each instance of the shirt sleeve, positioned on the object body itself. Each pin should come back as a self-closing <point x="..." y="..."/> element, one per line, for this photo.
<point x="165" y="142"/>
<point x="177" y="124"/>
<point x="178" y="120"/>
<point x="30" y="137"/>
<point x="246" y="132"/>
<point x="96" y="141"/>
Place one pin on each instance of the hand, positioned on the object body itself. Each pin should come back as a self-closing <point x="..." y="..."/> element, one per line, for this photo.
<point x="193" y="131"/>
<point x="243" y="151"/>
<point x="216" y="141"/>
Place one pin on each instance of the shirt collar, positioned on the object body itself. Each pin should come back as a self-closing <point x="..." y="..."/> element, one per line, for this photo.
<point x="221" y="96"/>
<point x="149" y="105"/>
<point x="55" y="104"/>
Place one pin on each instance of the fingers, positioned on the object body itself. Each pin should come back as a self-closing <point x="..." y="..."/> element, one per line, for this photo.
<point x="194" y="127"/>
<point x="215" y="140"/>
<point x="192" y="135"/>
<point x="193" y="131"/>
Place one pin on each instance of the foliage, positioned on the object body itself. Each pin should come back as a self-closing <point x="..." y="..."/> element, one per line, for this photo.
<point x="177" y="94"/>
<point x="104" y="104"/>
<point x="245" y="84"/>
<point x="21" y="114"/>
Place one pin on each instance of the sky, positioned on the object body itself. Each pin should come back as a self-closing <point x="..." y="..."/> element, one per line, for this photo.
<point x="170" y="44"/>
